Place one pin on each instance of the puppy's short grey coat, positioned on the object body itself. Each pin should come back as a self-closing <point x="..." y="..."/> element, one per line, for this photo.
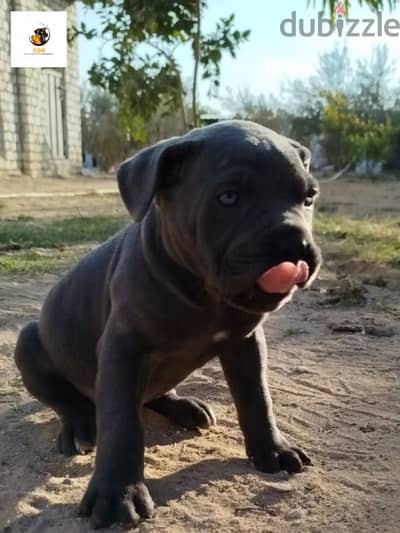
<point x="213" y="210"/>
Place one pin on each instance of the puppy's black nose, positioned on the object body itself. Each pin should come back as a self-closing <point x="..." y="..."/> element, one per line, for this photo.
<point x="290" y="243"/>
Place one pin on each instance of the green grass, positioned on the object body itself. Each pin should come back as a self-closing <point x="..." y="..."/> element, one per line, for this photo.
<point x="375" y="241"/>
<point x="24" y="233"/>
<point x="36" y="261"/>
<point x="42" y="245"/>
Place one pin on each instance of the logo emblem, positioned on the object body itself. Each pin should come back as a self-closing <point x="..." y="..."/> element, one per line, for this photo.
<point x="340" y="10"/>
<point x="40" y="35"/>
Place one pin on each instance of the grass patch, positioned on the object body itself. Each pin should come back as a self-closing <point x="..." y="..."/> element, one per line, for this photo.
<point x="373" y="240"/>
<point x="33" y="261"/>
<point x="24" y="233"/>
<point x="42" y="245"/>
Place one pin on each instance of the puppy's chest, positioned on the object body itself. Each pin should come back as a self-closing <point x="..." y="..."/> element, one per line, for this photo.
<point x="186" y="349"/>
<point x="191" y="340"/>
<point x="172" y="361"/>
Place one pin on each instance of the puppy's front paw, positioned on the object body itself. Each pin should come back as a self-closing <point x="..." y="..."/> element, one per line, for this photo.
<point x="281" y="456"/>
<point x="106" y="504"/>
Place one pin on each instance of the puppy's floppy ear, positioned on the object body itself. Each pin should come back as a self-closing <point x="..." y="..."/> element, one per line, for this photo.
<point x="152" y="169"/>
<point x="303" y="152"/>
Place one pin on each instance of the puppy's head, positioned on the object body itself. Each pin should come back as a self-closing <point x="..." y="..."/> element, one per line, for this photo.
<point x="235" y="200"/>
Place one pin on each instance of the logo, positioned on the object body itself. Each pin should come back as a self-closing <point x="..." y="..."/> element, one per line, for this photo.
<point x="38" y="39"/>
<point x="339" y="10"/>
<point x="340" y="26"/>
<point x="40" y="35"/>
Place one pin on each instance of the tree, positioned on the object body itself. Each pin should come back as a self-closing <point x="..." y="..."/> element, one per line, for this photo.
<point x="101" y="134"/>
<point x="143" y="74"/>
<point x="347" y="136"/>
<point x="247" y="106"/>
<point x="375" y="5"/>
<point x="375" y="88"/>
<point x="353" y="106"/>
<point x="303" y="97"/>
<point x="333" y="73"/>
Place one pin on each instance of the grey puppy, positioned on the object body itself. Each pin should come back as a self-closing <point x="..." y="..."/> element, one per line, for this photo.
<point x="213" y="211"/>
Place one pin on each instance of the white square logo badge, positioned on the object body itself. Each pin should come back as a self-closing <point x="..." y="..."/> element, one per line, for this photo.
<point x="38" y="39"/>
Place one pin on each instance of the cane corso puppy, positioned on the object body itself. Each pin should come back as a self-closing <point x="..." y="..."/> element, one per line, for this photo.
<point x="222" y="236"/>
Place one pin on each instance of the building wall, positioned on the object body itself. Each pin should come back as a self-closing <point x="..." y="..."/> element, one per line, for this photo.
<point x="24" y="106"/>
<point x="10" y="156"/>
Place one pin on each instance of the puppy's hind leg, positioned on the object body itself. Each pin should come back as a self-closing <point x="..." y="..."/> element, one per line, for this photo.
<point x="186" y="411"/>
<point x="77" y="412"/>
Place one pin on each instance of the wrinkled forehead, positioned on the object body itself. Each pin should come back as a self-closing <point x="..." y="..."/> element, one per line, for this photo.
<point x="258" y="154"/>
<point x="254" y="157"/>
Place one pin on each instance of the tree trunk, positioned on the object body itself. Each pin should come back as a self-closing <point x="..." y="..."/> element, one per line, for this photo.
<point x="196" y="51"/>
<point x="182" y="104"/>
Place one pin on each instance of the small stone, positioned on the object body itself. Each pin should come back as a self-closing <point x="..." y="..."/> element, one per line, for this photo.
<point x="379" y="331"/>
<point x="379" y="281"/>
<point x="295" y="514"/>
<point x="368" y="428"/>
<point x="346" y="327"/>
<point x="301" y="370"/>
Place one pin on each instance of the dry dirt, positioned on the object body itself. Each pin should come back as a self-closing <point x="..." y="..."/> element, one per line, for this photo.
<point x="94" y="195"/>
<point x="52" y="197"/>
<point x="334" y="376"/>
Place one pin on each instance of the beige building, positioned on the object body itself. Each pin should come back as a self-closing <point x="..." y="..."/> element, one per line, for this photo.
<point x="40" y="129"/>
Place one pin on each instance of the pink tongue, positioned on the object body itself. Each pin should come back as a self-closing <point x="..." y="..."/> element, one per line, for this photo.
<point x="281" y="278"/>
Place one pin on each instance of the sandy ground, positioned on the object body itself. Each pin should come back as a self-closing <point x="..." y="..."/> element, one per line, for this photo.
<point x="76" y="196"/>
<point x="98" y="195"/>
<point x="334" y="371"/>
<point x="361" y="198"/>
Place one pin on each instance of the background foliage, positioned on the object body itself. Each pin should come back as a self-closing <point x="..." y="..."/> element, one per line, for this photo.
<point x="138" y="95"/>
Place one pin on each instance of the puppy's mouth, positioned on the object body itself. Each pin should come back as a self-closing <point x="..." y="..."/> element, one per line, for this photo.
<point x="273" y="287"/>
<point x="282" y="278"/>
<point x="264" y="283"/>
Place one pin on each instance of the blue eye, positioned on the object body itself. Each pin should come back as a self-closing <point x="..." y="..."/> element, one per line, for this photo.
<point x="229" y="198"/>
<point x="308" y="202"/>
<point x="312" y="194"/>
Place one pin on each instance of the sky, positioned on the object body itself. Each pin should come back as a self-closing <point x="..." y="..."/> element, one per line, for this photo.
<point x="268" y="58"/>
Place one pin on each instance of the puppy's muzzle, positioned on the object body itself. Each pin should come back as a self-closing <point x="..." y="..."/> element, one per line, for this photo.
<point x="293" y="243"/>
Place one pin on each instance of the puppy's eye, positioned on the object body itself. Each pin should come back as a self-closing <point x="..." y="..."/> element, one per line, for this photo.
<point x="312" y="194"/>
<point x="229" y="198"/>
<point x="308" y="202"/>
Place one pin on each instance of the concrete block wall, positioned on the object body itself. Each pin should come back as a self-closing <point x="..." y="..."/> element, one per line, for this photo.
<point x="10" y="157"/>
<point x="24" y="108"/>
